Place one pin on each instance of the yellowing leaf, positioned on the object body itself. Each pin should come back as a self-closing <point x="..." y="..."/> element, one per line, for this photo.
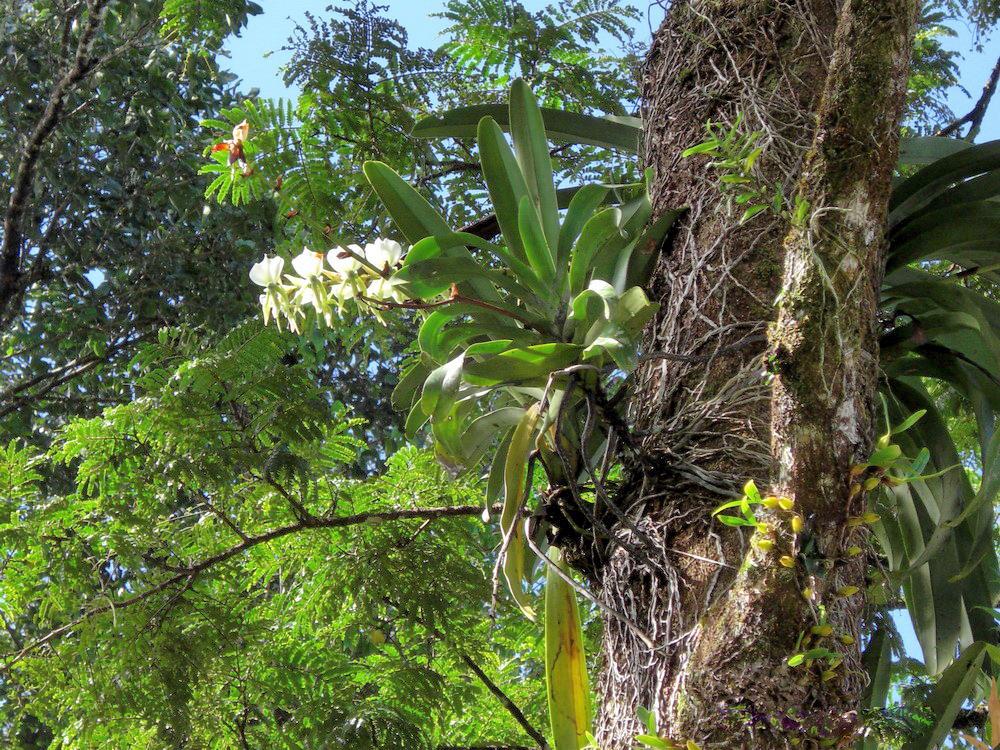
<point x="521" y="443"/>
<point x="565" y="663"/>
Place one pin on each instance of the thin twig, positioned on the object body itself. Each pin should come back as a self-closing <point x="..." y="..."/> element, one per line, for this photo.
<point x="498" y="693"/>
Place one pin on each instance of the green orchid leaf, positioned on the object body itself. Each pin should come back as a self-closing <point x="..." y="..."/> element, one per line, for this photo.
<point x="523" y="365"/>
<point x="405" y="392"/>
<point x="483" y="430"/>
<point x="505" y="183"/>
<point x="952" y="689"/>
<point x="441" y="389"/>
<point x="532" y="153"/>
<point x="600" y="230"/>
<point x="522" y="442"/>
<point x="608" y="131"/>
<point x="581" y="208"/>
<point x="536" y="245"/>
<point x="411" y="212"/>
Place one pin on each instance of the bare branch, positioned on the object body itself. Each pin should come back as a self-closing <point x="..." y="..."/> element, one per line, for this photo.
<point x="978" y="112"/>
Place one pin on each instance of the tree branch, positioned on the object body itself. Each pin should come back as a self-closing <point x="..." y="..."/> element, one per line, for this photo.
<point x="495" y="689"/>
<point x="978" y="112"/>
<point x="185" y="575"/>
<point x="10" y="244"/>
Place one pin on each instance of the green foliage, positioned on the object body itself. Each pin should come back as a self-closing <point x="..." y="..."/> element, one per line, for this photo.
<point x="199" y="561"/>
<point x="213" y="576"/>
<point x="205" y="23"/>
<point x="557" y="50"/>
<point x="117" y="238"/>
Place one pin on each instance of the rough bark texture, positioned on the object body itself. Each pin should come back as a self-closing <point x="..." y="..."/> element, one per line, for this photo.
<point x="824" y="84"/>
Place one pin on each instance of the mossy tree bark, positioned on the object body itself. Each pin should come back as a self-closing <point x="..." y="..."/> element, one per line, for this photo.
<point x="763" y="364"/>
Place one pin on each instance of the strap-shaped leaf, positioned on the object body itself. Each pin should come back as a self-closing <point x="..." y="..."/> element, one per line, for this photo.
<point x="532" y="152"/>
<point x="566" y="679"/>
<point x="583" y="205"/>
<point x="928" y="150"/>
<point x="483" y="430"/>
<point x="635" y="267"/>
<point x="495" y="478"/>
<point x="608" y="131"/>
<point x="522" y="442"/>
<point x="916" y="192"/>
<point x="433" y="247"/>
<point x="951" y="691"/>
<point x="597" y="232"/>
<point x="441" y="389"/>
<point x="937" y="234"/>
<point x="429" y="278"/>
<point x="536" y="245"/>
<point x="404" y="394"/>
<point x="504" y="181"/>
<point x="415" y="217"/>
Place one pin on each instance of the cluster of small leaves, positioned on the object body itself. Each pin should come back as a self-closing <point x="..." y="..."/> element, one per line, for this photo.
<point x="893" y="727"/>
<point x="933" y="71"/>
<point x="206" y="23"/>
<point x="734" y="155"/>
<point x="558" y="50"/>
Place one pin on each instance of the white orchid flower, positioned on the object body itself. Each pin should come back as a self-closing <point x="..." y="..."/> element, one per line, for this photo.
<point x="308" y="264"/>
<point x="345" y="290"/>
<point x="348" y="265"/>
<point x="267" y="272"/>
<point x="310" y="284"/>
<point x="274" y="300"/>
<point x="385" y="289"/>
<point x="383" y="254"/>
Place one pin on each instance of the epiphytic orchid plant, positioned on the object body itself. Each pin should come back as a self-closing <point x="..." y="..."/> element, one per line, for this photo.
<point x="516" y="342"/>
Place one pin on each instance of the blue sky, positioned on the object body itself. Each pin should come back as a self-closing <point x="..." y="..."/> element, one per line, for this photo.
<point x="267" y="33"/>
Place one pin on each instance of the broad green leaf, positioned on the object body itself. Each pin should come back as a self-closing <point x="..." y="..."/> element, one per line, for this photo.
<point x="483" y="430"/>
<point x="597" y="232"/>
<point x="441" y="388"/>
<point x="428" y="278"/>
<point x="522" y="442"/>
<point x="404" y="394"/>
<point x="432" y="247"/>
<point x="414" y="216"/>
<point x="608" y="131"/>
<point x="536" y="246"/>
<point x="929" y="149"/>
<point x="927" y="184"/>
<point x="947" y="696"/>
<point x="411" y="212"/>
<point x="565" y="662"/>
<point x="523" y="365"/>
<point x="635" y="268"/>
<point x="586" y="201"/>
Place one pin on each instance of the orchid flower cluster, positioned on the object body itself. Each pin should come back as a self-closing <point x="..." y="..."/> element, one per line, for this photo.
<point x="361" y="274"/>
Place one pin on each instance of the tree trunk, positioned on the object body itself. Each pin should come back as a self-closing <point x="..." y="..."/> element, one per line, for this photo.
<point x="761" y="364"/>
